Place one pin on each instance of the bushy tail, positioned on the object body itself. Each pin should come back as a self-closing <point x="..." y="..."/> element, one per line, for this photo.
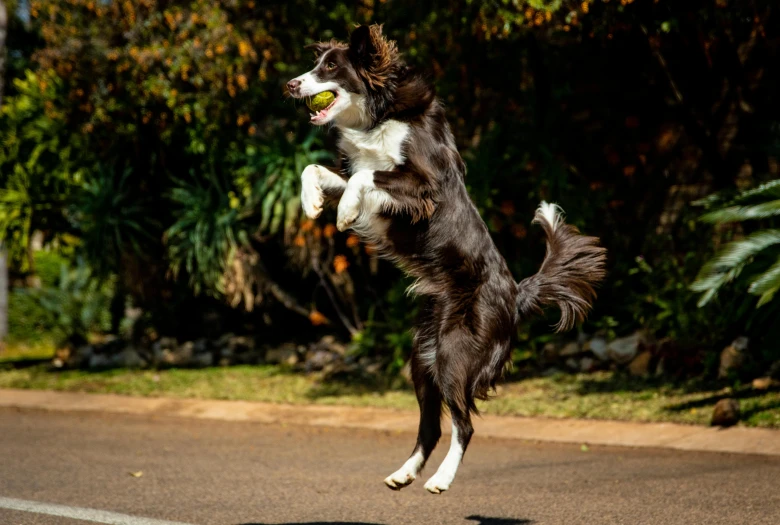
<point x="573" y="266"/>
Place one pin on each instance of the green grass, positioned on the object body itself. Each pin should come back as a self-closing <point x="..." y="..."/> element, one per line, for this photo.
<point x="602" y="395"/>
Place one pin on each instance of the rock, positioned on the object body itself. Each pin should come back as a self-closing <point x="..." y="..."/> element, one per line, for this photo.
<point x="162" y="347"/>
<point x="285" y="354"/>
<point x="128" y="358"/>
<point x="549" y="354"/>
<point x="552" y="371"/>
<point x="624" y="349"/>
<point x="177" y="356"/>
<point x="570" y="349"/>
<point x="661" y="368"/>
<point x="640" y="365"/>
<point x="374" y="368"/>
<point x="732" y="357"/>
<point x="774" y="370"/>
<point x="725" y="413"/>
<point x="572" y="364"/>
<point x="329" y="344"/>
<point x="765" y="383"/>
<point x="587" y="364"/>
<point x="80" y="357"/>
<point x="201" y="346"/>
<point x="98" y="361"/>
<point x="597" y="345"/>
<point x="318" y="360"/>
<point x="201" y="360"/>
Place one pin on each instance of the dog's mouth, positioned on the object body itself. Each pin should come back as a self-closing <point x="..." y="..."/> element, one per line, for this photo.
<point x="319" y="113"/>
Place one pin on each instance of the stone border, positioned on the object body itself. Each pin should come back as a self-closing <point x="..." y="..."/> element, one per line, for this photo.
<point x="737" y="440"/>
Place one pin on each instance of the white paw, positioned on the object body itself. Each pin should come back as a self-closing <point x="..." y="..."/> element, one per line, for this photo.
<point x="311" y="193"/>
<point x="438" y="483"/>
<point x="349" y="208"/>
<point x="400" y="478"/>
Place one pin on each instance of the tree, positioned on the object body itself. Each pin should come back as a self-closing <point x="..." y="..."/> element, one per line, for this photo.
<point x="3" y="257"/>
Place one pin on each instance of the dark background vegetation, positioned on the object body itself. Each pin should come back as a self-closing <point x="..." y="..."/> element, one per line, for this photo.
<point x="147" y="146"/>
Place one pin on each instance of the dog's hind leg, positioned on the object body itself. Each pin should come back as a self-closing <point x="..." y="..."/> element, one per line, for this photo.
<point x="452" y="376"/>
<point x="429" y="399"/>
<point x="461" y="435"/>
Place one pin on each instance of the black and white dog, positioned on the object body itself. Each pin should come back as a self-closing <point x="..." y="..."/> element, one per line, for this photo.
<point x="403" y="191"/>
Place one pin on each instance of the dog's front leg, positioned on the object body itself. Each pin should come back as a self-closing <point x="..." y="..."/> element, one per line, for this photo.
<point x="349" y="205"/>
<point x="318" y="184"/>
<point x="396" y="191"/>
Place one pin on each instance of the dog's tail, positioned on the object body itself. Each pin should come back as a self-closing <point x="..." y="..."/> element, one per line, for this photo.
<point x="573" y="266"/>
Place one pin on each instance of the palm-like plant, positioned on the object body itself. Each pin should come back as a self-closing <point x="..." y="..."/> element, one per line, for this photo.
<point x="207" y="233"/>
<point x="760" y="250"/>
<point x="271" y="177"/>
<point x="111" y="219"/>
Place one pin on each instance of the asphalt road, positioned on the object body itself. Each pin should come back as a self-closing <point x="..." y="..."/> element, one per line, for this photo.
<point x="210" y="472"/>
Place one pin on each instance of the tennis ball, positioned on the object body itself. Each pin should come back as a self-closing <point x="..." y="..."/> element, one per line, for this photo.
<point x="320" y="101"/>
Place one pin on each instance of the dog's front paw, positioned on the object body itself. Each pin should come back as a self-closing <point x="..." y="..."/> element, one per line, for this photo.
<point x="349" y="208"/>
<point x="311" y="193"/>
<point x="438" y="483"/>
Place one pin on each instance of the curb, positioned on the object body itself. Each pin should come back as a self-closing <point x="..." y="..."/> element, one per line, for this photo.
<point x="735" y="440"/>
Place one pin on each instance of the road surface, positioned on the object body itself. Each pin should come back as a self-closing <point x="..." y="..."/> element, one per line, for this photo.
<point x="203" y="472"/>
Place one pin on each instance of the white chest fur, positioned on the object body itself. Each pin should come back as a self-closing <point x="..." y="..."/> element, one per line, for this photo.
<point x="378" y="149"/>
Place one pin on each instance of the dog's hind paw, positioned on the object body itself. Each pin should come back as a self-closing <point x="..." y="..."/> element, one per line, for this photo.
<point x="437" y="484"/>
<point x="399" y="479"/>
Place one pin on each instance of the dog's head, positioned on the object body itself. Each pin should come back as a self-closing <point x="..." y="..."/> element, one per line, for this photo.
<point x="358" y="74"/>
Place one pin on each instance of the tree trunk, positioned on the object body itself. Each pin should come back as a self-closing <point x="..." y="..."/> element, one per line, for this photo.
<point x="3" y="258"/>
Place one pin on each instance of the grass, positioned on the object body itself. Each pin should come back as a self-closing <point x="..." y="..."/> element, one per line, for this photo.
<point x="601" y="395"/>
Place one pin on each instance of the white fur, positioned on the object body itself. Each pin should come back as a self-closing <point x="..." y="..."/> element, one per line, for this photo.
<point x="314" y="180"/>
<point x="551" y="213"/>
<point x="427" y="353"/>
<point x="378" y="149"/>
<point x="443" y="478"/>
<point x="407" y="473"/>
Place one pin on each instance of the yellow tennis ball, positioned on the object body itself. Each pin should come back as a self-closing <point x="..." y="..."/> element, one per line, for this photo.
<point x="320" y="101"/>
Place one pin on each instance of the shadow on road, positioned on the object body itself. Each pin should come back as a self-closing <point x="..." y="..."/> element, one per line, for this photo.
<point x="480" y="520"/>
<point x="485" y="520"/>
<point x="316" y="523"/>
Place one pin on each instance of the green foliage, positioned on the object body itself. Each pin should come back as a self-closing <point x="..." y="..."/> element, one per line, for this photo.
<point x="40" y="163"/>
<point x="161" y="150"/>
<point x="207" y="232"/>
<point x="77" y="306"/>
<point x="270" y="177"/>
<point x="392" y="337"/>
<point x="68" y="306"/>
<point x="111" y="219"/>
<point x="758" y="250"/>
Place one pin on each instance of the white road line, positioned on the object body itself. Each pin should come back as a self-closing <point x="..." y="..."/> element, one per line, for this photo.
<point x="78" y="513"/>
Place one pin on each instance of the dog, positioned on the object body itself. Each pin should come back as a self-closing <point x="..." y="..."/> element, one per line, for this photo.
<point x="402" y="190"/>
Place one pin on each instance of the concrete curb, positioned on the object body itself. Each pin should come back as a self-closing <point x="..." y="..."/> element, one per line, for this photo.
<point x="737" y="440"/>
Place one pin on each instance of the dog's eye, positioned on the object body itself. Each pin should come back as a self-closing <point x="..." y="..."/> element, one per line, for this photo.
<point x="330" y="65"/>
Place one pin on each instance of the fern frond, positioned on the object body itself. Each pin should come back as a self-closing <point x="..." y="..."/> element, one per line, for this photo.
<point x="743" y="213"/>
<point x="767" y="284"/>
<point x="729" y="262"/>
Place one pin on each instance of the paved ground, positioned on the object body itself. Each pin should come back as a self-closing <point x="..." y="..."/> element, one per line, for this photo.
<point x="218" y="472"/>
<point x="737" y="439"/>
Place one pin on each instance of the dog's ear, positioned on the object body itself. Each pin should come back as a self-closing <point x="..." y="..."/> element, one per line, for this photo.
<point x="377" y="57"/>
<point x="318" y="48"/>
<point x="361" y="47"/>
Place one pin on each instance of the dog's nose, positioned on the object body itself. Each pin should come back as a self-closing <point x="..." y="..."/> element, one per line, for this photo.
<point x="292" y="85"/>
